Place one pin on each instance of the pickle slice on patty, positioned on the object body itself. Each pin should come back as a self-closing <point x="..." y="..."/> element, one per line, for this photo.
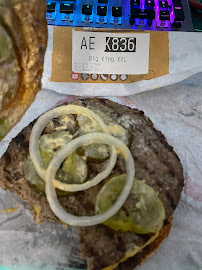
<point x="94" y="153"/>
<point x="86" y="125"/>
<point x="35" y="181"/>
<point x="99" y="153"/>
<point x="32" y="176"/>
<point x="143" y="212"/>
<point x="115" y="129"/>
<point x="49" y="144"/>
<point x="76" y="168"/>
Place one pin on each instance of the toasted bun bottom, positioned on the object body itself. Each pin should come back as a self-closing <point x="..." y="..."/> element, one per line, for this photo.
<point x="148" y="251"/>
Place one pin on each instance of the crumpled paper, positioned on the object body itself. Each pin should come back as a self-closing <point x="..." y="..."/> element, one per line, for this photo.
<point x="185" y="54"/>
<point x="176" y="111"/>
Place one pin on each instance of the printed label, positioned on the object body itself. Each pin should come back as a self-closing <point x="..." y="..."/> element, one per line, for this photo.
<point x="110" y="53"/>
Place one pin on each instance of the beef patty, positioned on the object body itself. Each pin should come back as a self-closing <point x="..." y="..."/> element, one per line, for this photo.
<point x="155" y="162"/>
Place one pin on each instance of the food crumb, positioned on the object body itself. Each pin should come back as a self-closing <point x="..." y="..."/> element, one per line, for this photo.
<point x="65" y="224"/>
<point x="11" y="210"/>
<point x="37" y="209"/>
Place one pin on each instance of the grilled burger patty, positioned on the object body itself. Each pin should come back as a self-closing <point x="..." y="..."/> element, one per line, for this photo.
<point x="155" y="162"/>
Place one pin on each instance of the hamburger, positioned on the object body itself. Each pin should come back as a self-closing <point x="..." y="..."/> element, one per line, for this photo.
<point x="59" y="164"/>
<point x="23" y="40"/>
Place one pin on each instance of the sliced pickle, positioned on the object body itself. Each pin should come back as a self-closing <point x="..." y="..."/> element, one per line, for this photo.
<point x="49" y="144"/>
<point x="99" y="153"/>
<point x="76" y="168"/>
<point x="86" y="125"/>
<point x="116" y="130"/>
<point x="94" y="153"/>
<point x="32" y="176"/>
<point x="104" y="116"/>
<point x="120" y="133"/>
<point x="144" y="214"/>
<point x="35" y="181"/>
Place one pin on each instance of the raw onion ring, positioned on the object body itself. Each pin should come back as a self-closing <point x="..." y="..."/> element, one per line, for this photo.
<point x="41" y="124"/>
<point x="60" y="156"/>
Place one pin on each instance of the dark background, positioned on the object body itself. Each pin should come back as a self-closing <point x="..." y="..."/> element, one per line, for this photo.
<point x="196" y="18"/>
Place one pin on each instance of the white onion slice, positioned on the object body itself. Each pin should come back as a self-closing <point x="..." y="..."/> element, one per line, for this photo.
<point x="38" y="129"/>
<point x="60" y="156"/>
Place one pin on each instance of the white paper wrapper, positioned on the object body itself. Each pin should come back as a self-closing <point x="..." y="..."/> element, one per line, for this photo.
<point x="185" y="52"/>
<point x="176" y="111"/>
